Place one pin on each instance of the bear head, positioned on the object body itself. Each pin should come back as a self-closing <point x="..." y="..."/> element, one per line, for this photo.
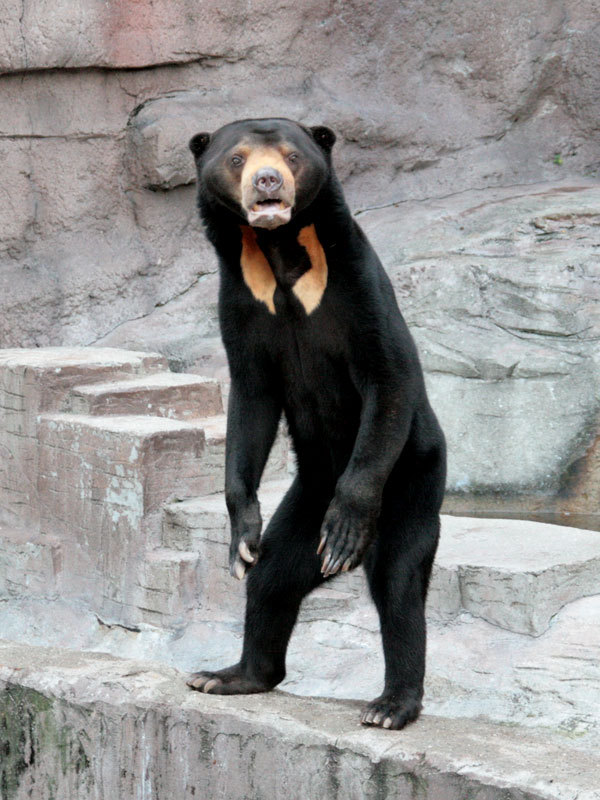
<point x="264" y="170"/>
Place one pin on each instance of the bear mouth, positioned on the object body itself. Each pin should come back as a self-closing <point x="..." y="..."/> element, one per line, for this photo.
<point x="270" y="213"/>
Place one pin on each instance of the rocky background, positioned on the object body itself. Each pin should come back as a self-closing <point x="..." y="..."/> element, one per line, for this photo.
<point x="469" y="141"/>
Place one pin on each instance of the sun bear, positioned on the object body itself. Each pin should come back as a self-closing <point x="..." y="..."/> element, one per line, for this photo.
<point x="312" y="330"/>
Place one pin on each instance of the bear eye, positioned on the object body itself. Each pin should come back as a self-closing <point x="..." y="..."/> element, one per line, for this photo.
<point x="237" y="160"/>
<point x="293" y="157"/>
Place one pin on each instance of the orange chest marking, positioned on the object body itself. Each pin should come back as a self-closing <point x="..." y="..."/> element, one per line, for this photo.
<point x="310" y="287"/>
<point x="256" y="270"/>
<point x="259" y="278"/>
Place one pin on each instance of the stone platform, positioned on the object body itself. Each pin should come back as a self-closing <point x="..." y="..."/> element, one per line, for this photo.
<point x="113" y="540"/>
<point x="126" y="729"/>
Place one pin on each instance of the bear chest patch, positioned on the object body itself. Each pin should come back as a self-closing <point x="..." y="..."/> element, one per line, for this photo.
<point x="260" y="279"/>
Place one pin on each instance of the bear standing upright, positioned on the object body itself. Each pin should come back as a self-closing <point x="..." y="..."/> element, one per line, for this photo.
<point x="311" y="327"/>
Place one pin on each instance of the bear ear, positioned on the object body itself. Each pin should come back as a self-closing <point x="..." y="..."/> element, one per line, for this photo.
<point x="199" y="143"/>
<point x="324" y="137"/>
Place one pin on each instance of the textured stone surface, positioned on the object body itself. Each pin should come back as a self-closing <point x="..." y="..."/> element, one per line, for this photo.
<point x="78" y="144"/>
<point x="86" y="523"/>
<point x="34" y="381"/>
<point x="47" y="35"/>
<point x="123" y="725"/>
<point x="201" y="525"/>
<point x="551" y="681"/>
<point x="164" y="394"/>
<point x="29" y="563"/>
<point x="502" y="293"/>
<point x="474" y="669"/>
<point x="103" y="481"/>
<point x="513" y="573"/>
<point x="448" y="65"/>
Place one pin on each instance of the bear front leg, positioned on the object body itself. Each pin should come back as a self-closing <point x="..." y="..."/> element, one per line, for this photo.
<point x="350" y="523"/>
<point x="252" y="419"/>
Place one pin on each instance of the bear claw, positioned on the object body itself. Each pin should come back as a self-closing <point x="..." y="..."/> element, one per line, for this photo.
<point x="392" y="711"/>
<point x="238" y="570"/>
<point x="245" y="553"/>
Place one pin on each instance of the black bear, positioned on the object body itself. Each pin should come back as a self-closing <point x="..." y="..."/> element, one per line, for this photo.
<point x="311" y="327"/>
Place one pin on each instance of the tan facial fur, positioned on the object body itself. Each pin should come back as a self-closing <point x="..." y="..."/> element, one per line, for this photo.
<point x="256" y="159"/>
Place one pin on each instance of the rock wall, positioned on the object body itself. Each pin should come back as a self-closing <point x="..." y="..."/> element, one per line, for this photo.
<point x="450" y="115"/>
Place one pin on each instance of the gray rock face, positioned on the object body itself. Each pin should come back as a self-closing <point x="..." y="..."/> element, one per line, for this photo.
<point x="457" y="114"/>
<point x="100" y="241"/>
<point x="502" y="292"/>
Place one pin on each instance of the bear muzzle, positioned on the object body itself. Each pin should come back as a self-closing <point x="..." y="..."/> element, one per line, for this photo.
<point x="268" y="192"/>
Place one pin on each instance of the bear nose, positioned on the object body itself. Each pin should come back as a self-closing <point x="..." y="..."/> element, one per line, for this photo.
<point x="267" y="180"/>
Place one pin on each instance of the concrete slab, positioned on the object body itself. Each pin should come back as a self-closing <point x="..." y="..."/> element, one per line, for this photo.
<point x="206" y="517"/>
<point x="92" y="726"/>
<point x="474" y="669"/>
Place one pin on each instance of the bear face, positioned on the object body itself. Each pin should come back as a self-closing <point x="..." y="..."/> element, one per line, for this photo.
<point x="264" y="170"/>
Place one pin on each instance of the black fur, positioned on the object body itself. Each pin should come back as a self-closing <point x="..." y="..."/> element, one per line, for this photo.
<point x="370" y="452"/>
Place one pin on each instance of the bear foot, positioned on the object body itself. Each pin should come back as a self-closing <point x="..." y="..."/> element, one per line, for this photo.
<point x="227" y="681"/>
<point x="392" y="711"/>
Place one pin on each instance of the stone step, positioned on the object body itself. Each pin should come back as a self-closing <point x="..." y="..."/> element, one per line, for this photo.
<point x="515" y="574"/>
<point x="33" y="381"/>
<point x="215" y="429"/>
<point x="204" y="519"/>
<point x="163" y="394"/>
<point x="168" y="587"/>
<point x="40" y="378"/>
<point x="201" y="525"/>
<point x="104" y="480"/>
<point x="120" y="721"/>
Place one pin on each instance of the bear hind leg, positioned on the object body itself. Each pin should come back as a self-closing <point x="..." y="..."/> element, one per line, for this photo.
<point x="288" y="568"/>
<point x="398" y="572"/>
